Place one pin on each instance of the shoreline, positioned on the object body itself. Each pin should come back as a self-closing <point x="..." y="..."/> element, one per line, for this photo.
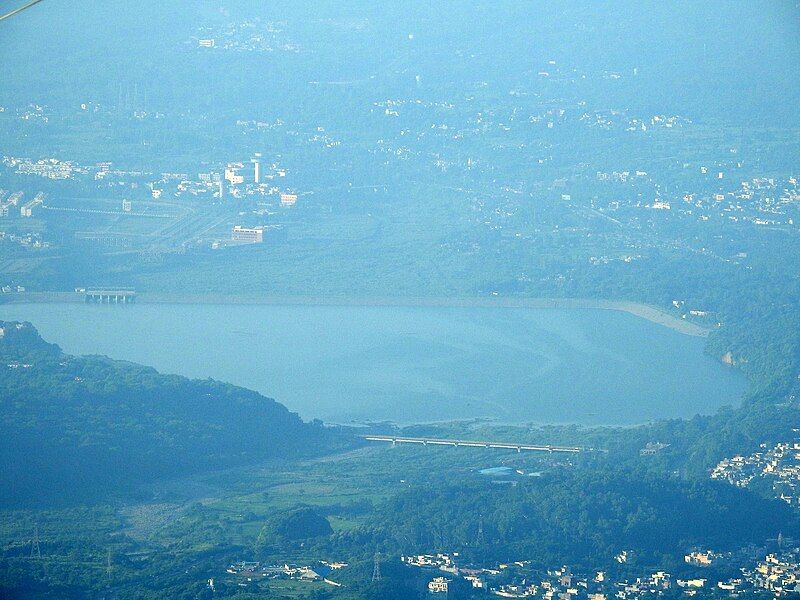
<point x="637" y="309"/>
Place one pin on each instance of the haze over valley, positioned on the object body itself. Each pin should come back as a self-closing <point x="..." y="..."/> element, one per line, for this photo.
<point x="414" y="300"/>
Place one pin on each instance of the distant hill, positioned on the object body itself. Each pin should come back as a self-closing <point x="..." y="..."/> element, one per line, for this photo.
<point x="75" y="427"/>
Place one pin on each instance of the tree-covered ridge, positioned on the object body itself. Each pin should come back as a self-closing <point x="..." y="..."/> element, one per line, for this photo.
<point x="580" y="515"/>
<point x="74" y="426"/>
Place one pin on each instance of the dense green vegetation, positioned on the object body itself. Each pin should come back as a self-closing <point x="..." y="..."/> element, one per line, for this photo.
<point x="575" y="517"/>
<point x="77" y="426"/>
<point x="296" y="524"/>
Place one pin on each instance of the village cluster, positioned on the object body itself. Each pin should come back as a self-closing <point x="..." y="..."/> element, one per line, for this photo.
<point x="774" y="574"/>
<point x="742" y="574"/>
<point x="777" y="467"/>
<point x="319" y="571"/>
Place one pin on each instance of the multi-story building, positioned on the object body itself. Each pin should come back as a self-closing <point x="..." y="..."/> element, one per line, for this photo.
<point x="244" y="234"/>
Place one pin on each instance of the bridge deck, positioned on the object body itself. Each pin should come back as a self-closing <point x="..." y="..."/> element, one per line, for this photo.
<point x="109" y="296"/>
<point x="393" y="439"/>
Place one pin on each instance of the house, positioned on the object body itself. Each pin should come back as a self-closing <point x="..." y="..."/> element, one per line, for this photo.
<point x="691" y="583"/>
<point x="699" y="559"/>
<point x="438" y="585"/>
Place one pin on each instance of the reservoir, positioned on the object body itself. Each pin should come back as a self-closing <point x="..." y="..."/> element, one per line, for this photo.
<point x="412" y="364"/>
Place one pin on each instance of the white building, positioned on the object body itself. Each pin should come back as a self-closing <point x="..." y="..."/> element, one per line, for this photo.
<point x="438" y="585"/>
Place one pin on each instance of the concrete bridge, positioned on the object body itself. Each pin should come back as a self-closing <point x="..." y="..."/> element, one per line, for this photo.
<point x="110" y="296"/>
<point x="394" y="440"/>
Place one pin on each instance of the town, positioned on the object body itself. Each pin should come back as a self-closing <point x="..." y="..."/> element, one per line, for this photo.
<point x="609" y="215"/>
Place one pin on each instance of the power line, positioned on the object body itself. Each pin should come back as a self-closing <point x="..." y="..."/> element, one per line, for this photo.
<point x="18" y="10"/>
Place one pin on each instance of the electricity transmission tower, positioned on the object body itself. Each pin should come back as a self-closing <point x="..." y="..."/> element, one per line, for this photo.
<point x="376" y="569"/>
<point x="479" y="539"/>
<point x="36" y="550"/>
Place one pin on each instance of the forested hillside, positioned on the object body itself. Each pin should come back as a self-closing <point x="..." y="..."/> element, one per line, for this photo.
<point x="77" y="426"/>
